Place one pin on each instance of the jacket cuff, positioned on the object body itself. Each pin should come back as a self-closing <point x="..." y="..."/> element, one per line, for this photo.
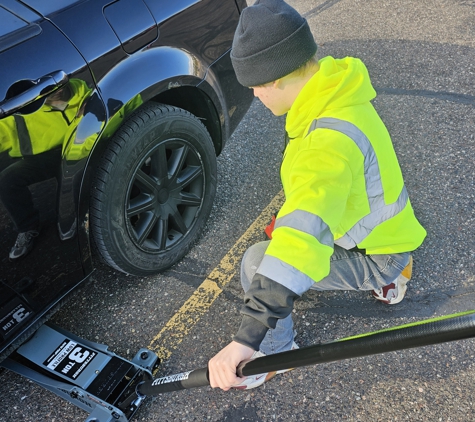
<point x="251" y="332"/>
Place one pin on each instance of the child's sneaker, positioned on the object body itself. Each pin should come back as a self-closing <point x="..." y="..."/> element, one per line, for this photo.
<point x="254" y="381"/>
<point x="393" y="293"/>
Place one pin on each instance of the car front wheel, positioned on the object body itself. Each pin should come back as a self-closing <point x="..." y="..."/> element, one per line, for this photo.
<point x="153" y="190"/>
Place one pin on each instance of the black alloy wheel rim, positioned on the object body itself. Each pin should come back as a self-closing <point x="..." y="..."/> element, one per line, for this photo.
<point x="165" y="195"/>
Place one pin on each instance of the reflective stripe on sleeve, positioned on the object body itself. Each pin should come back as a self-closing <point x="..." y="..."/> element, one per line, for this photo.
<point x="288" y="276"/>
<point x="309" y="223"/>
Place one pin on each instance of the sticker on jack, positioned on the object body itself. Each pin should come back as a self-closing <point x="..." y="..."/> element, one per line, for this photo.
<point x="70" y="359"/>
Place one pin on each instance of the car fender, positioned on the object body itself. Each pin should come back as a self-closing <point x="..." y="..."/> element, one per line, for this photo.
<point x="148" y="73"/>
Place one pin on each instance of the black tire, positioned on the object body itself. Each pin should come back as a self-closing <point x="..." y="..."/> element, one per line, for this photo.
<point x="153" y="190"/>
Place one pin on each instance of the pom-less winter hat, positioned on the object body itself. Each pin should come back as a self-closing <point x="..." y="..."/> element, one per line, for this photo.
<point x="271" y="40"/>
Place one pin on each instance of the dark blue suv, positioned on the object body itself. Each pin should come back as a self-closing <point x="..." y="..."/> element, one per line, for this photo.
<point x="112" y="114"/>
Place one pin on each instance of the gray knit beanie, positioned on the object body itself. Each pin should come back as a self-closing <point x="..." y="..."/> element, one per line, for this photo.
<point x="271" y="40"/>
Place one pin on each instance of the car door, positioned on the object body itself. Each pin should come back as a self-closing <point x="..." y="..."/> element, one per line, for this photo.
<point x="44" y="85"/>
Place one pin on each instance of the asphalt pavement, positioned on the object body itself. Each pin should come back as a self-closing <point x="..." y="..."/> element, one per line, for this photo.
<point x="421" y="57"/>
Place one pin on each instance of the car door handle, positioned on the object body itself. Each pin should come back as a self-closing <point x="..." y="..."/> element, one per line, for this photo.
<point x="41" y="88"/>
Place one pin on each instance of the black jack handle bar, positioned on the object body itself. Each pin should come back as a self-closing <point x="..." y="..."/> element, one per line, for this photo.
<point x="423" y="333"/>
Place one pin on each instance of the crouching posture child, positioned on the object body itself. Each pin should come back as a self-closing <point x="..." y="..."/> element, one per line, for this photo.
<point x="347" y="222"/>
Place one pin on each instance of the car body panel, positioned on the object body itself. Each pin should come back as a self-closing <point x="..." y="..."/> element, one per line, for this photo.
<point x="31" y="287"/>
<point x="138" y="32"/>
<point x="175" y="53"/>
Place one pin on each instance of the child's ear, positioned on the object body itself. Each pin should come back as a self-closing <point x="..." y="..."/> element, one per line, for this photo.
<point x="277" y="84"/>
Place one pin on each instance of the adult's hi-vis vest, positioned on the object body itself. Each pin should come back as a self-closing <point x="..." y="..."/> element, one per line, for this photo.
<point x="24" y="135"/>
<point x="341" y="178"/>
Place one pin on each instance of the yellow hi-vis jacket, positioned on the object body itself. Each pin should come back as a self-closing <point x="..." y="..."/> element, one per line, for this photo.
<point x="341" y="179"/>
<point x="42" y="130"/>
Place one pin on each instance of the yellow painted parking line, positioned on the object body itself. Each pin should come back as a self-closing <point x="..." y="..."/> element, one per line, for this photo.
<point x="179" y="326"/>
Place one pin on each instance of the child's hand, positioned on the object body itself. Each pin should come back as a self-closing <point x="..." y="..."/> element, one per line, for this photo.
<point x="222" y="367"/>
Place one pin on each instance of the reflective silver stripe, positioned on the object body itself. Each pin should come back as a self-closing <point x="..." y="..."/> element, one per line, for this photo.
<point x="309" y="223"/>
<point x="365" y="226"/>
<point x="374" y="186"/>
<point x="288" y="276"/>
<point x="346" y="242"/>
<point x="379" y="210"/>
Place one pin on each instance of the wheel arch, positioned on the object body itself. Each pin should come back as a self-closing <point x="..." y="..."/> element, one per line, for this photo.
<point x="184" y="81"/>
<point x="194" y="100"/>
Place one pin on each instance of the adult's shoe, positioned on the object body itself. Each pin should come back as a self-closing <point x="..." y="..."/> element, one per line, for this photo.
<point x="24" y="244"/>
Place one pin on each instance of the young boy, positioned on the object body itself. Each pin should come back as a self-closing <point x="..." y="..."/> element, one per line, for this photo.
<point x="347" y="222"/>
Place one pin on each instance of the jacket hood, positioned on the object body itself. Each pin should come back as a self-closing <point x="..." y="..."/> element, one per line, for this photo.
<point x="339" y="83"/>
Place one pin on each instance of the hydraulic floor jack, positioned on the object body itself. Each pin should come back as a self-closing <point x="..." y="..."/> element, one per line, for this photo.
<point x="112" y="388"/>
<point x="84" y="373"/>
